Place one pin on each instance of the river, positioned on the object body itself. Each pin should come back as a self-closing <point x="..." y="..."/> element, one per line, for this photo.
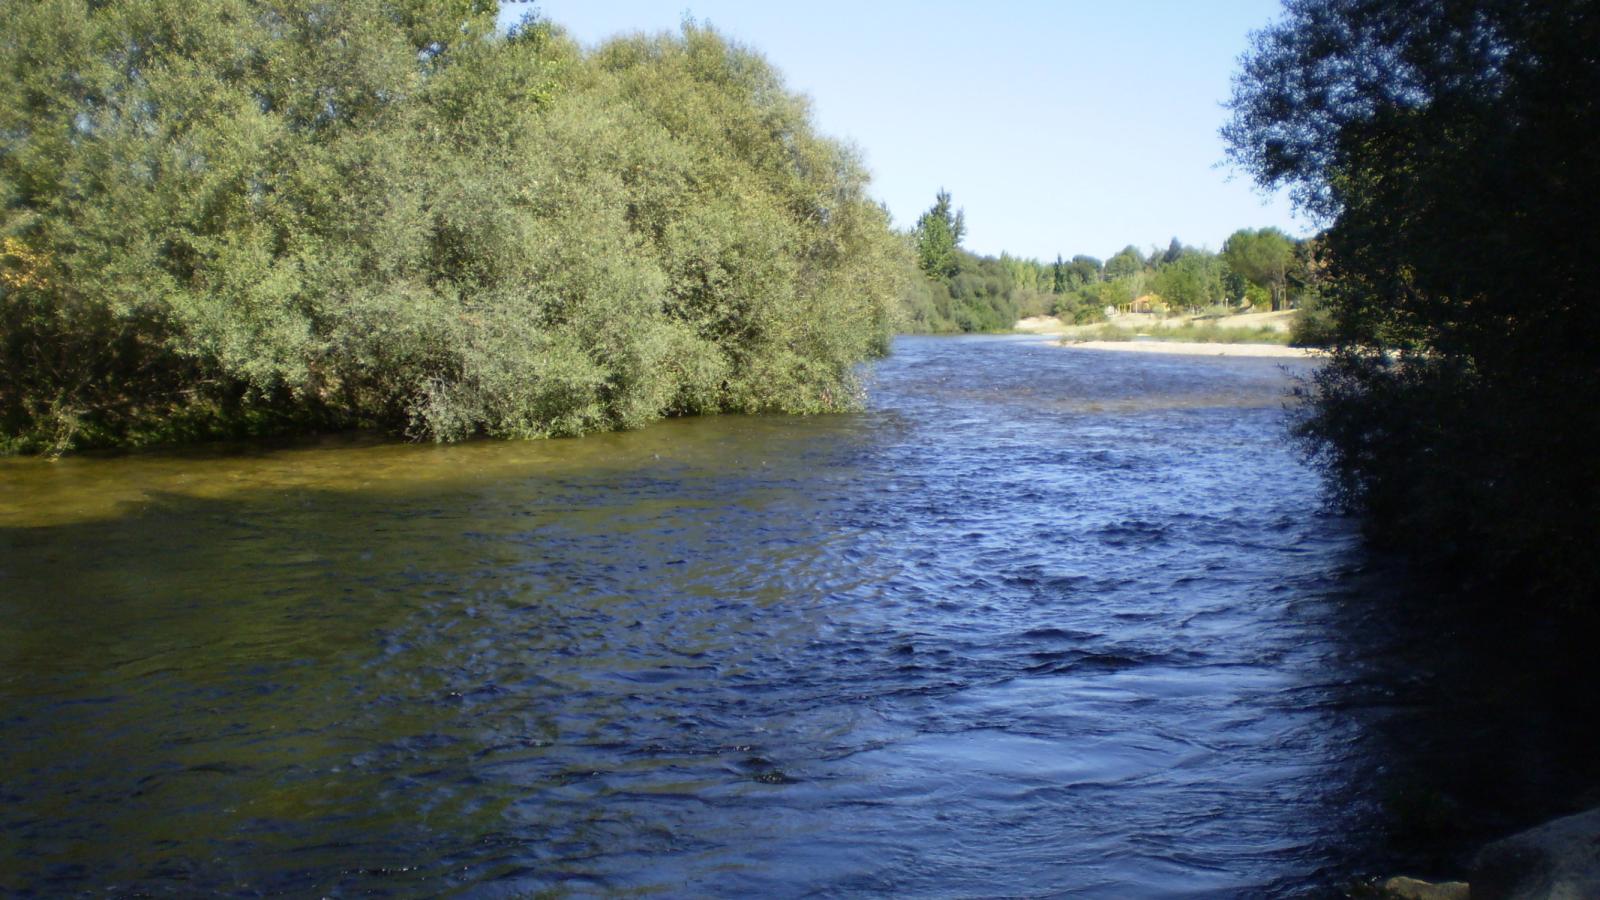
<point x="1037" y="621"/>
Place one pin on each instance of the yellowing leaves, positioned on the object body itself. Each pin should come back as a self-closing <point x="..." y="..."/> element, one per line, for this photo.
<point x="21" y="267"/>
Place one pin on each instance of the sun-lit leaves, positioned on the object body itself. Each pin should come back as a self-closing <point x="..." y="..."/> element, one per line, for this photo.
<point x="237" y="216"/>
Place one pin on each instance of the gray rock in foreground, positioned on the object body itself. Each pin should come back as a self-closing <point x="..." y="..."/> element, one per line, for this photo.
<point x="1559" y="860"/>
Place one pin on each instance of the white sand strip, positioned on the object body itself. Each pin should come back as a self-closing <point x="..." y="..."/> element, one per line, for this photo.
<point x="1190" y="348"/>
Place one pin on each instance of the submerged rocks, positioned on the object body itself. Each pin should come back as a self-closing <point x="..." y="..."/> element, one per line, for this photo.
<point x="1559" y="860"/>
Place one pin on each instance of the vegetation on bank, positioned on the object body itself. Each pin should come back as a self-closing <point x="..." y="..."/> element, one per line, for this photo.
<point x="231" y="217"/>
<point x="1454" y="152"/>
<point x="1196" y="332"/>
<point x="962" y="292"/>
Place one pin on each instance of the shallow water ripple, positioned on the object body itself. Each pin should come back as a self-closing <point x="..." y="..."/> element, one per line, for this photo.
<point x="1039" y="621"/>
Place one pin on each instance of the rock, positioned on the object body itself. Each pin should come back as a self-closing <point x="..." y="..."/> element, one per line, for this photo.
<point x="1559" y="860"/>
<point x="1412" y="889"/>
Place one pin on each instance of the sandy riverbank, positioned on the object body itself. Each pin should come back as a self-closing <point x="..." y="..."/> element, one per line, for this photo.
<point x="1083" y="336"/>
<point x="1276" y="321"/>
<point x="1192" y="348"/>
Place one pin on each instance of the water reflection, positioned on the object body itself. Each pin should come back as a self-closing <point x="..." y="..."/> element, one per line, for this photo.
<point x="1038" y="620"/>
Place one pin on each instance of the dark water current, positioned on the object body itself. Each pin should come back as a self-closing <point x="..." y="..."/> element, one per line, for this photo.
<point x="1040" y="621"/>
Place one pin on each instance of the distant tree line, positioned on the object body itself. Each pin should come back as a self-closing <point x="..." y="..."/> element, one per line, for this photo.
<point x="961" y="291"/>
<point x="1455" y="151"/>
<point x="233" y="217"/>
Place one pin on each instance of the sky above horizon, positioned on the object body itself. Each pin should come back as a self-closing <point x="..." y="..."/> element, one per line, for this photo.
<point x="1059" y="127"/>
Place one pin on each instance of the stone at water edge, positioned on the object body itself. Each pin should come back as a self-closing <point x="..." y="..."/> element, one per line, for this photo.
<point x="1559" y="860"/>
<point x="1412" y="889"/>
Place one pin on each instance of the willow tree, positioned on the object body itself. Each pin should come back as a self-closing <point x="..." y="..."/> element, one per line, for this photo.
<point x="241" y="216"/>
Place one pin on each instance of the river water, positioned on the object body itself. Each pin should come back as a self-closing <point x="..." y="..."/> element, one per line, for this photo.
<point x="1037" y="621"/>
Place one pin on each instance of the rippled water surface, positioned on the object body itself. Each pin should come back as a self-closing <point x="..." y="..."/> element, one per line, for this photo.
<point x="1038" y="621"/>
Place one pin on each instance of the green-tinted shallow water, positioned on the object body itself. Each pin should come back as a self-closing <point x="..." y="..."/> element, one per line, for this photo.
<point x="1038" y="621"/>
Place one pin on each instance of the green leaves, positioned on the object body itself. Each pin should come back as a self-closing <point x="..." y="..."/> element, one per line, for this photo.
<point x="1263" y="257"/>
<point x="233" y="216"/>
<point x="938" y="238"/>
<point x="1191" y="281"/>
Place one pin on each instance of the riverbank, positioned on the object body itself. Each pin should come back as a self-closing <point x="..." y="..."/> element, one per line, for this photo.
<point x="1279" y="322"/>
<point x="1249" y="334"/>
<point x="1195" y="348"/>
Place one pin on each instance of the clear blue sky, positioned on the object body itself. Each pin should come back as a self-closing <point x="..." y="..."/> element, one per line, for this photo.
<point x="1070" y="127"/>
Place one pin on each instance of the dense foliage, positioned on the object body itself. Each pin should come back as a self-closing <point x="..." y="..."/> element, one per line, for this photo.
<point x="1264" y="258"/>
<point x="938" y="238"/>
<point x="1455" y="149"/>
<point x="964" y="292"/>
<point x="985" y="294"/>
<point x="242" y="216"/>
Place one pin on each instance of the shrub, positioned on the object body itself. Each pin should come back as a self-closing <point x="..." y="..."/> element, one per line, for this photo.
<point x="239" y="216"/>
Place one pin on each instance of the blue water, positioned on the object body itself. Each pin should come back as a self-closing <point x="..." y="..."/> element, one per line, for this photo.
<point x="1038" y="621"/>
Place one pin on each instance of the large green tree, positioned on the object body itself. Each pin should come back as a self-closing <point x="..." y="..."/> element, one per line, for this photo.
<point x="1263" y="257"/>
<point x="1453" y="149"/>
<point x="240" y="216"/>
<point x="1191" y="282"/>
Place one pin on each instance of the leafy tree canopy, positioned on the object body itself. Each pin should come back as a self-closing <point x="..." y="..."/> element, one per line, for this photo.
<point x="1128" y="261"/>
<point x="938" y="238"/>
<point x="1263" y="257"/>
<point x="228" y="217"/>
<point x="1452" y="149"/>
<point x="1191" y="282"/>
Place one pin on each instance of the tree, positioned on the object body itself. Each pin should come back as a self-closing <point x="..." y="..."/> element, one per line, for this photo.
<point x="1086" y="269"/>
<point x="232" y="217"/>
<point x="1127" y="262"/>
<point x="1234" y="286"/>
<point x="1027" y="275"/>
<point x="1262" y="257"/>
<point x="1192" y="282"/>
<point x="1452" y="149"/>
<point x="938" y="238"/>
